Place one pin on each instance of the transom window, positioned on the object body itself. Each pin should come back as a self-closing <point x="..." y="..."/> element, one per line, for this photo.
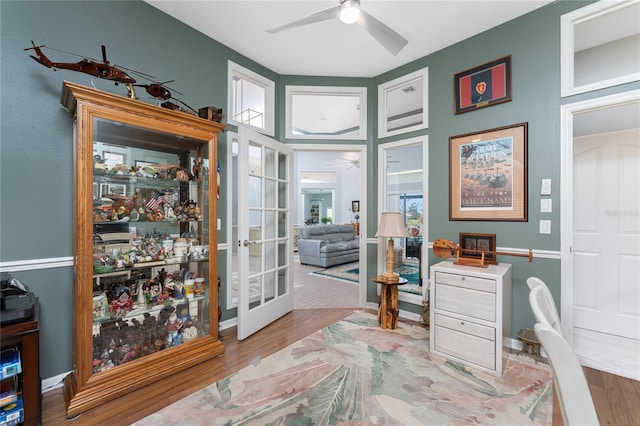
<point x="251" y="99"/>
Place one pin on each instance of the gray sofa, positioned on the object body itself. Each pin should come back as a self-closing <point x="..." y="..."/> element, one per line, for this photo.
<point x="328" y="245"/>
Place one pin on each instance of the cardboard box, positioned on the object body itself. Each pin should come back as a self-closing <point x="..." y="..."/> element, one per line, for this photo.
<point x="12" y="414"/>
<point x="10" y="364"/>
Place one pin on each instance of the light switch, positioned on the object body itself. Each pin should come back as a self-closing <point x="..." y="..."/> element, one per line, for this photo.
<point x="545" y="226"/>
<point x="545" y="188"/>
<point x="219" y="224"/>
<point x="545" y="205"/>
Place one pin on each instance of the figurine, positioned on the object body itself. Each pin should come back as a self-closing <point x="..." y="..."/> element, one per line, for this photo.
<point x="189" y="333"/>
<point x="173" y="326"/>
<point x="123" y="303"/>
<point x="197" y="168"/>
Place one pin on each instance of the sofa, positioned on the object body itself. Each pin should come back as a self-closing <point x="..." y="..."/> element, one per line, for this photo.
<point x="328" y="245"/>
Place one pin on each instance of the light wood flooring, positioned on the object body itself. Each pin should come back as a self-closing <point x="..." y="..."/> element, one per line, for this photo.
<point x="617" y="399"/>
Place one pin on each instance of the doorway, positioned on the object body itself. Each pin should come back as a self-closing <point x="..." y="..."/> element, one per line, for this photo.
<point x="329" y="178"/>
<point x="328" y="158"/>
<point x="601" y="232"/>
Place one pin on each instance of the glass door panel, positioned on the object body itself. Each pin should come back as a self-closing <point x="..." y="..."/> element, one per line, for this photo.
<point x="269" y="227"/>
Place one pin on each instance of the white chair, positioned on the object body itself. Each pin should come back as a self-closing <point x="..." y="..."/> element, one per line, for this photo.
<point x="570" y="383"/>
<point x="542" y="304"/>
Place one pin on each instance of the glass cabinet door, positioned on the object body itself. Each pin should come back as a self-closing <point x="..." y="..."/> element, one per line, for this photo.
<point x="150" y="251"/>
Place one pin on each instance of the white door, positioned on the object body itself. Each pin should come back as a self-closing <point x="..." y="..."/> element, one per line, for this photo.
<point x="265" y="229"/>
<point x="606" y="235"/>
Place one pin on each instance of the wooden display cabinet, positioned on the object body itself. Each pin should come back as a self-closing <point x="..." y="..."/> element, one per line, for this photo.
<point x="145" y="210"/>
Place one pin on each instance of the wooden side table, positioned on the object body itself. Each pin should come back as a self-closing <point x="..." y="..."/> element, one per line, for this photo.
<point x="388" y="309"/>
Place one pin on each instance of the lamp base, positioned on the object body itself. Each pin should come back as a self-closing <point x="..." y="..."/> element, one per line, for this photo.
<point x="389" y="277"/>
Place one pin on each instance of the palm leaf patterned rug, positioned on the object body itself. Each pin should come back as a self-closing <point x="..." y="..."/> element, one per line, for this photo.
<point x="353" y="372"/>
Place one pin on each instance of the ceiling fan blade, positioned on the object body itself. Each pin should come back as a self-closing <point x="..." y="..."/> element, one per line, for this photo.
<point x="391" y="40"/>
<point x="324" y="15"/>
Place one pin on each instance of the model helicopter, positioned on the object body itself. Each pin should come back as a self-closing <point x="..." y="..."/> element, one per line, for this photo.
<point x="162" y="93"/>
<point x="98" y="69"/>
<point x="108" y="71"/>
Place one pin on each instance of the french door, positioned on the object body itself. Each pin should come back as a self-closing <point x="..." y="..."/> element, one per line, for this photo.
<point x="265" y="231"/>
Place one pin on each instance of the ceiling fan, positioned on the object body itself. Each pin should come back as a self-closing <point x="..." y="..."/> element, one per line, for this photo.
<point x="353" y="163"/>
<point x="349" y="11"/>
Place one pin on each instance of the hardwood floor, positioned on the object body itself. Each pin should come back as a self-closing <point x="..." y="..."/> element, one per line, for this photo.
<point x="139" y="404"/>
<point x="617" y="399"/>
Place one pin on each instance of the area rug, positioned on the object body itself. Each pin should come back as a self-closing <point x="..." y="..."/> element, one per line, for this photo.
<point x="346" y="271"/>
<point x="354" y="373"/>
<point x="351" y="272"/>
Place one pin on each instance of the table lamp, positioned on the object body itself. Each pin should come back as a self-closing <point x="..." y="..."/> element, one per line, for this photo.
<point x="391" y="226"/>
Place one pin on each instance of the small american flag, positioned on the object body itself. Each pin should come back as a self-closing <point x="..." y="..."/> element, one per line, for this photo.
<point x="155" y="202"/>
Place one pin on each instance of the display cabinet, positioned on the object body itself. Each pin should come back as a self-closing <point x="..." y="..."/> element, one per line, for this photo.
<point x="145" y="245"/>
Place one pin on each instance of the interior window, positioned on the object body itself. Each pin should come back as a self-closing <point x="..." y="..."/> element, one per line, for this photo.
<point x="251" y="99"/>
<point x="323" y="112"/>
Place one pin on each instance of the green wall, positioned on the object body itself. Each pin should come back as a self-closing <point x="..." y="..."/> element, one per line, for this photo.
<point x="36" y="132"/>
<point x="36" y="161"/>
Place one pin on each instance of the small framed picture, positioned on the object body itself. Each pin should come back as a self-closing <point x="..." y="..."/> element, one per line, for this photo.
<point x="472" y="246"/>
<point x="113" y="189"/>
<point x="112" y="159"/>
<point x="483" y="86"/>
<point x="355" y="206"/>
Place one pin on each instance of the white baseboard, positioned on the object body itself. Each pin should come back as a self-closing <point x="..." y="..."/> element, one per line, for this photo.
<point x="612" y="354"/>
<point x="54" y="382"/>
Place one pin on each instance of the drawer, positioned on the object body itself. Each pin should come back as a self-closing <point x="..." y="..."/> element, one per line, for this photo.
<point x="467" y="347"/>
<point x="464" y="326"/>
<point x="465" y="281"/>
<point x="472" y="303"/>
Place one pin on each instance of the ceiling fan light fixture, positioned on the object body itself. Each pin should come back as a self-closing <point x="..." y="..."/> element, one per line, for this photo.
<point x="349" y="11"/>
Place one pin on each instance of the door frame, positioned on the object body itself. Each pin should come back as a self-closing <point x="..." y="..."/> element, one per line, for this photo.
<point x="362" y="149"/>
<point x="567" y="113"/>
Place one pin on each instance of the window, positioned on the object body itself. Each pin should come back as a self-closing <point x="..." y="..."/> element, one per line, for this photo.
<point x="321" y="112"/>
<point x="599" y="46"/>
<point x="403" y="104"/>
<point x="251" y="99"/>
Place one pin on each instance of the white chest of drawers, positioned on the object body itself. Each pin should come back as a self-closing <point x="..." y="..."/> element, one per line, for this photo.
<point x="471" y="314"/>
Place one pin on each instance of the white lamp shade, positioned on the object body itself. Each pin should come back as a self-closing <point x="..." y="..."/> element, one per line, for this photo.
<point x="392" y="225"/>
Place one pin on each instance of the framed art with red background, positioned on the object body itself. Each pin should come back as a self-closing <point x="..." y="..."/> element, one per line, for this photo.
<point x="483" y="86"/>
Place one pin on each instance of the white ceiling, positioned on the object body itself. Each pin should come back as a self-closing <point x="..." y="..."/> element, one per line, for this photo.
<point x="331" y="48"/>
